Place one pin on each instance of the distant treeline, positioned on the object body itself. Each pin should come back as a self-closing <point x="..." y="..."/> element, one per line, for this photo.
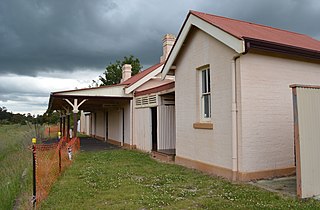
<point x="10" y="118"/>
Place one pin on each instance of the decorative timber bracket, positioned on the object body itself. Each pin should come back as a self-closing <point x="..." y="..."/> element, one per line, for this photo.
<point x="75" y="111"/>
<point x="75" y="104"/>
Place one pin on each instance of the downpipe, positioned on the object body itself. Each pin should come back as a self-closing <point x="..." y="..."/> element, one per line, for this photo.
<point x="234" y="118"/>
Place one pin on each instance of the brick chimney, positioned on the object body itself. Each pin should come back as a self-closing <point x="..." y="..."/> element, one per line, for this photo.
<point x="168" y="41"/>
<point x="126" y="72"/>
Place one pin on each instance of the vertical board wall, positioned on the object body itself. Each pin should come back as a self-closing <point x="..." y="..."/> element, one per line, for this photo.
<point x="87" y="122"/>
<point x="167" y="127"/>
<point x="307" y="140"/>
<point x="100" y="124"/>
<point x="115" y="125"/>
<point x="142" y="129"/>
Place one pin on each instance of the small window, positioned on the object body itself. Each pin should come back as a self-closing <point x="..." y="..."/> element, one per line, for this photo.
<point x="205" y="95"/>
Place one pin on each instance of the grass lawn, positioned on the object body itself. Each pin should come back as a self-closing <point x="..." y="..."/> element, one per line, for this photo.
<point x="122" y="179"/>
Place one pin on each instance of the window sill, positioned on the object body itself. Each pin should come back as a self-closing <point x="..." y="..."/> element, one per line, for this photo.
<point x="202" y="125"/>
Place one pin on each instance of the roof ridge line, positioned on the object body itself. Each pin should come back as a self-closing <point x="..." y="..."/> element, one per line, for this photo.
<point x="247" y="22"/>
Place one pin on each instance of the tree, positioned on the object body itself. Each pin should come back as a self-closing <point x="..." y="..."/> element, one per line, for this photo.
<point x="113" y="72"/>
<point x="5" y="115"/>
<point x="51" y="117"/>
<point x="18" y="119"/>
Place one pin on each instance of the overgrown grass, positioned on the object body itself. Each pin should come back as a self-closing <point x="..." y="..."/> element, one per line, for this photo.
<point x="15" y="166"/>
<point x="122" y="179"/>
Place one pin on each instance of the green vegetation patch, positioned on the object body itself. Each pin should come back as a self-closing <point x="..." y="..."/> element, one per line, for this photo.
<point x="15" y="166"/>
<point x="122" y="179"/>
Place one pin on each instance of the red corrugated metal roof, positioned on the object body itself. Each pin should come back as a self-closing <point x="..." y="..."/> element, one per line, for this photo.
<point x="140" y="75"/>
<point x="159" y="88"/>
<point x="241" y="29"/>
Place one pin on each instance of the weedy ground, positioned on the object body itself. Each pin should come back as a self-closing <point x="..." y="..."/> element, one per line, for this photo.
<point x="15" y="166"/>
<point x="124" y="179"/>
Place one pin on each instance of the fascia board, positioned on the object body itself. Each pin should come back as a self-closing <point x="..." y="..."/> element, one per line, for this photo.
<point x="175" y="50"/>
<point x="224" y="37"/>
<point x="234" y="43"/>
<point x="114" y="91"/>
<point x="143" y="80"/>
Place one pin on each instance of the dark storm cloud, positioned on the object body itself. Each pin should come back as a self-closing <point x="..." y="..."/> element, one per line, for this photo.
<point x="293" y="15"/>
<point x="64" y="35"/>
<point x="46" y="35"/>
<point x="37" y="35"/>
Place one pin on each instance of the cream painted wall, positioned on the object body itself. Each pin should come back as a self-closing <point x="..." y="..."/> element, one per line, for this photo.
<point x="142" y="129"/>
<point x="100" y="126"/>
<point x="208" y="146"/>
<point x="266" y="111"/>
<point x="115" y="124"/>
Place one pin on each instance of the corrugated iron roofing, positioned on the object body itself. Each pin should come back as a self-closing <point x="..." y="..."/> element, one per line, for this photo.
<point x="140" y="75"/>
<point x="241" y="29"/>
<point x="159" y="88"/>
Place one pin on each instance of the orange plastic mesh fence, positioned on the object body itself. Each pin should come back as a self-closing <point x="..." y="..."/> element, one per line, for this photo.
<point x="51" y="161"/>
<point x="51" y="131"/>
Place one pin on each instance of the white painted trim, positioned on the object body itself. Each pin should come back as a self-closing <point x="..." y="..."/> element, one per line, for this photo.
<point x="112" y="91"/>
<point x="200" y="100"/>
<point x="69" y="102"/>
<point x="229" y="40"/>
<point x="75" y="104"/>
<point x="84" y="100"/>
<point x="131" y="122"/>
<point x="224" y="37"/>
<point x="176" y="48"/>
<point x="143" y="80"/>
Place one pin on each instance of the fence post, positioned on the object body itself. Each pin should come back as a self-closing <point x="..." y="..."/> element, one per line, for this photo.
<point x="59" y="159"/>
<point x="34" y="196"/>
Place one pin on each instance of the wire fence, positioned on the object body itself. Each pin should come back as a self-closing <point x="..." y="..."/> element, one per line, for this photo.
<point x="50" y="161"/>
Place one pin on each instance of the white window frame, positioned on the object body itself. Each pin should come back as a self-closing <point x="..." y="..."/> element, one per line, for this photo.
<point x="203" y="92"/>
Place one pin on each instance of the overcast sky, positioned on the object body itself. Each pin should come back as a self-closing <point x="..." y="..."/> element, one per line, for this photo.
<point x="52" y="45"/>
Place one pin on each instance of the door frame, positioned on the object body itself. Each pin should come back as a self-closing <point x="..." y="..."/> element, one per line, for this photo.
<point x="154" y="129"/>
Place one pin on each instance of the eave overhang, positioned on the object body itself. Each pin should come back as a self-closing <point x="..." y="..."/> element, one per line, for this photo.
<point x="238" y="45"/>
<point x="97" y="98"/>
<point x="131" y="88"/>
<point x="157" y="89"/>
<point x="263" y="45"/>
